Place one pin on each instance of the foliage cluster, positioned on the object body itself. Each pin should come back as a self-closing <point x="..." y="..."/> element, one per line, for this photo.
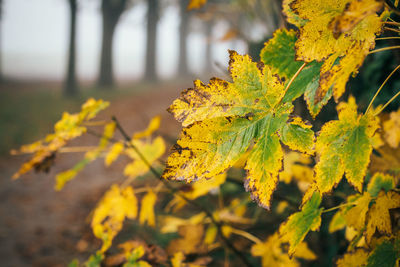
<point x="249" y="123"/>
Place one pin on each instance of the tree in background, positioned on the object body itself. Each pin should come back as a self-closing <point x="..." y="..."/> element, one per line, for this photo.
<point x="111" y="12"/>
<point x="183" y="33"/>
<point x="70" y="83"/>
<point x="152" y="20"/>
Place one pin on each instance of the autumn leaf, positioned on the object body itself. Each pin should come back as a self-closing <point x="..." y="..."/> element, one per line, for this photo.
<point x="153" y="126"/>
<point x="321" y="25"/>
<point x="295" y="166"/>
<point x="279" y="54"/>
<point x="355" y="215"/>
<point x="271" y="253"/>
<point x="116" y="205"/>
<point x="69" y="127"/>
<point x="378" y="215"/>
<point x="380" y="181"/>
<point x="66" y="176"/>
<point x="344" y="146"/>
<point x="221" y="121"/>
<point x="392" y="129"/>
<point x="151" y="151"/>
<point x="194" y="4"/>
<point x="190" y="240"/>
<point x="355" y="258"/>
<point x="147" y="209"/>
<point x="295" y="229"/>
<point x="115" y="150"/>
<point x="385" y="253"/>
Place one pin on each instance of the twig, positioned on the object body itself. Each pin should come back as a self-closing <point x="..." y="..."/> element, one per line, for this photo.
<point x="387" y="103"/>
<point x="380" y="88"/>
<point x="238" y="253"/>
<point x="384" y="49"/>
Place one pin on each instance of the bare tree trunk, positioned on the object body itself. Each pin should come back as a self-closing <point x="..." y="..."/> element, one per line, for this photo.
<point x="70" y="83"/>
<point x="209" y="58"/>
<point x="111" y="12"/>
<point x="183" y="32"/>
<point x="152" y="19"/>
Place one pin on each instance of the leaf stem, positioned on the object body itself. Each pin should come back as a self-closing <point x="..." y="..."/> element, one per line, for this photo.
<point x="380" y="88"/>
<point x="338" y="207"/>
<point x="387" y="103"/>
<point x="237" y="252"/>
<point x="387" y="38"/>
<point x="391" y="29"/>
<point x="295" y="75"/>
<point x="392" y="23"/>
<point x="384" y="49"/>
<point x="246" y="235"/>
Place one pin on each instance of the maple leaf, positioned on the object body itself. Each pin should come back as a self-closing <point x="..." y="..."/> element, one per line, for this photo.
<point x="378" y="215"/>
<point x="147" y="209"/>
<point x="355" y="258"/>
<point x="321" y="26"/>
<point x="392" y="129"/>
<point x="295" y="229"/>
<point x="221" y="121"/>
<point x="271" y="253"/>
<point x="116" y="205"/>
<point x="380" y="181"/>
<point x="279" y="54"/>
<point x="385" y="253"/>
<point x="344" y="146"/>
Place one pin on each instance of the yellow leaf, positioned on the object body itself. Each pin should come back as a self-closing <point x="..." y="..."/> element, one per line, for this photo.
<point x="271" y="253"/>
<point x="295" y="166"/>
<point x="116" y="205"/>
<point x="113" y="153"/>
<point x="378" y="216"/>
<point x="194" y="4"/>
<point x="355" y="216"/>
<point x="177" y="259"/>
<point x="170" y="224"/>
<point x="198" y="189"/>
<point x="351" y="259"/>
<point x="147" y="209"/>
<point x="318" y="42"/>
<point x="191" y="240"/>
<point x="344" y="146"/>
<point x="392" y="129"/>
<point x="153" y="126"/>
<point x="151" y="151"/>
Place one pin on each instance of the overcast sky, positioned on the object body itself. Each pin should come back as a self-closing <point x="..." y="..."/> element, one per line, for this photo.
<point x="34" y="41"/>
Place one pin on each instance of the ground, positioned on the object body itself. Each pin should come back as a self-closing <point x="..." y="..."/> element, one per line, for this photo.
<point x="41" y="227"/>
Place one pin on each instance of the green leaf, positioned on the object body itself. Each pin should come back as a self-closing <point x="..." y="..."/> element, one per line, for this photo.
<point x="384" y="255"/>
<point x="295" y="229"/>
<point x="380" y="181"/>
<point x="298" y="136"/>
<point x="222" y="119"/>
<point x="344" y="146"/>
<point x="279" y="54"/>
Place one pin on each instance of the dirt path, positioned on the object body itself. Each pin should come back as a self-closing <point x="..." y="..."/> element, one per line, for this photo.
<point x="41" y="227"/>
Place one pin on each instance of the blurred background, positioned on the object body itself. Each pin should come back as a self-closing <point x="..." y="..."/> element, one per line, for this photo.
<point x="139" y="54"/>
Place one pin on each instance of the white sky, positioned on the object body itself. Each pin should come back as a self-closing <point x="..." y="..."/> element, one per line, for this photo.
<point x="34" y="41"/>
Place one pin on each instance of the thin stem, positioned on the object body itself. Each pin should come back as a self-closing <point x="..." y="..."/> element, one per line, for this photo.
<point x="390" y="101"/>
<point x="208" y="213"/>
<point x="391" y="29"/>
<point x="380" y="88"/>
<point x="392" y="23"/>
<point x="384" y="49"/>
<point x="246" y="235"/>
<point x="387" y="38"/>
<point x="295" y="75"/>
<point x="338" y="207"/>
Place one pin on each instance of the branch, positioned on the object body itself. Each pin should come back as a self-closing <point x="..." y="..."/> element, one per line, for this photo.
<point x="173" y="190"/>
